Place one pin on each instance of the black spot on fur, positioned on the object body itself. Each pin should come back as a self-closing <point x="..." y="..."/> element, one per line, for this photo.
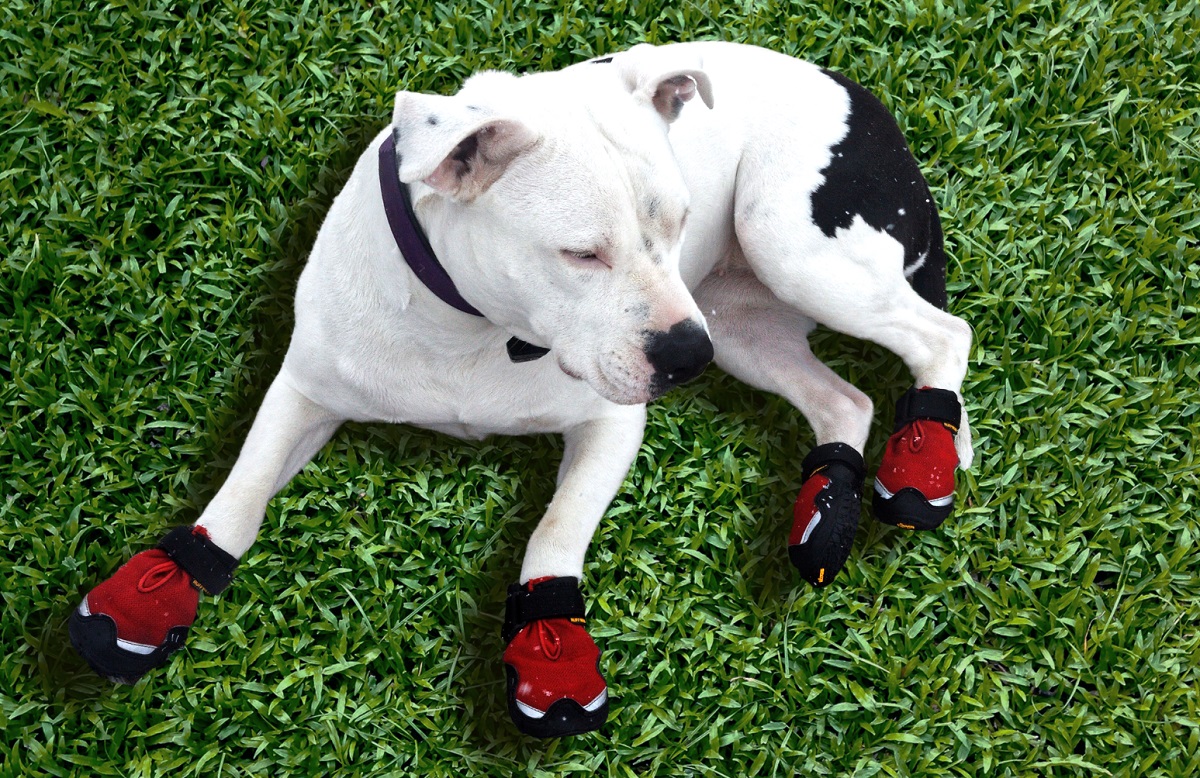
<point x="873" y="175"/>
<point x="603" y="61"/>
<point x="432" y="121"/>
<point x="473" y="108"/>
<point x="648" y="244"/>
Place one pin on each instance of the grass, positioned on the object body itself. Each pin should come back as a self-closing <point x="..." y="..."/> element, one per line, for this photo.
<point x="163" y="170"/>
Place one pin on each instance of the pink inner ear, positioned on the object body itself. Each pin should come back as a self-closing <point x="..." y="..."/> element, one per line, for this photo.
<point x="671" y="94"/>
<point x="685" y="88"/>
<point x="445" y="177"/>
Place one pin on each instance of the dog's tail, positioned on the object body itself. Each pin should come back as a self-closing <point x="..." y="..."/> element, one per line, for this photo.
<point x="928" y="274"/>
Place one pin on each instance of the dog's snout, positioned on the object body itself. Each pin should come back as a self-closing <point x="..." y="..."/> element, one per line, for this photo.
<point x="678" y="355"/>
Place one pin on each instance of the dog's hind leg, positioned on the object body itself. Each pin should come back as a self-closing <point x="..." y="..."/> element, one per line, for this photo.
<point x="131" y="623"/>
<point x="854" y="282"/>
<point x="554" y="684"/>
<point x="764" y="342"/>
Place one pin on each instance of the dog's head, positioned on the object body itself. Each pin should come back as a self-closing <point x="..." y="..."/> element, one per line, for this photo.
<point x="556" y="204"/>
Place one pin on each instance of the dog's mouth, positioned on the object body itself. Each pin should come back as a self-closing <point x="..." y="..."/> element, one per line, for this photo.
<point x="609" y="386"/>
<point x="622" y="386"/>
<point x="569" y="371"/>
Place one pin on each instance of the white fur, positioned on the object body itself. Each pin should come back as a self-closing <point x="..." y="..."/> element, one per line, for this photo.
<point x="581" y="160"/>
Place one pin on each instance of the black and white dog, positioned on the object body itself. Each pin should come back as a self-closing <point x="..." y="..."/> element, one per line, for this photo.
<point x="539" y="254"/>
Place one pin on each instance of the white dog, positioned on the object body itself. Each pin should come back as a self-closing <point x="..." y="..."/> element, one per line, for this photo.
<point x="562" y="218"/>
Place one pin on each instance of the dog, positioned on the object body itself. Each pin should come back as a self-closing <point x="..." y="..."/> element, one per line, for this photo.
<point x="547" y="253"/>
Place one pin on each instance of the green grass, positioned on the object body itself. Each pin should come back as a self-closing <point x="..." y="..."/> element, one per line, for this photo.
<point x="162" y="175"/>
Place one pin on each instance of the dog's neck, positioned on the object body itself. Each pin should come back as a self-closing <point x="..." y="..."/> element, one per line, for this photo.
<point x="411" y="239"/>
<point x="415" y="248"/>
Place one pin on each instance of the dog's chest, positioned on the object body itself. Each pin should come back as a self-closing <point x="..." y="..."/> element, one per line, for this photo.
<point x="501" y="403"/>
<point x="468" y="393"/>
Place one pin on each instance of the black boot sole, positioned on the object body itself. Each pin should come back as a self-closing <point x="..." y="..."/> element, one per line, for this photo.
<point x="565" y="717"/>
<point x="908" y="509"/>
<point x="95" y="639"/>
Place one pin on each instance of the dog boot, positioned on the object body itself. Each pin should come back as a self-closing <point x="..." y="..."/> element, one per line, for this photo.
<point x="554" y="682"/>
<point x="131" y="623"/>
<point x="914" y="488"/>
<point x="827" y="510"/>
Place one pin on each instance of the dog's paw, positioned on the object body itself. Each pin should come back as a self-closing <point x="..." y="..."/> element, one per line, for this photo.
<point x="826" y="513"/>
<point x="914" y="487"/>
<point x="552" y="663"/>
<point x="134" y="621"/>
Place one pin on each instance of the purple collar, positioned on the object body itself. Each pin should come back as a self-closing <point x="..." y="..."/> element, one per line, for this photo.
<point x="409" y="235"/>
<point x="414" y="246"/>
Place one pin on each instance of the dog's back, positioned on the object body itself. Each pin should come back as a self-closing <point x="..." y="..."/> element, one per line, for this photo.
<point x="782" y="121"/>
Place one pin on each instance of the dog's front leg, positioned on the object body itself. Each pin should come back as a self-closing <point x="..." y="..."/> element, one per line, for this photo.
<point x="596" y="458"/>
<point x="554" y="684"/>
<point x="131" y="623"/>
<point x="287" y="432"/>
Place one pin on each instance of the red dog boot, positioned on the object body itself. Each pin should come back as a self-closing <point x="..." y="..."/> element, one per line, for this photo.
<point x="914" y="488"/>
<point x="131" y="623"/>
<point x="826" y="513"/>
<point x="554" y="682"/>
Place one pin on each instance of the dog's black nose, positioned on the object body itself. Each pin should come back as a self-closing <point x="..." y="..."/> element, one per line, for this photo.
<point x="678" y="355"/>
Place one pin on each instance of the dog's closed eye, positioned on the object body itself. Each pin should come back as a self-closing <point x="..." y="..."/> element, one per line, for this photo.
<point x="585" y="257"/>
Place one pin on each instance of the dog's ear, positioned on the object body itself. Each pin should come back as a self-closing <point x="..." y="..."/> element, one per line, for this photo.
<point x="456" y="147"/>
<point x="663" y="79"/>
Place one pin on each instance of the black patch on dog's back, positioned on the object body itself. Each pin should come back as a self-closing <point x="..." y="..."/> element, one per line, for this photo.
<point x="873" y="175"/>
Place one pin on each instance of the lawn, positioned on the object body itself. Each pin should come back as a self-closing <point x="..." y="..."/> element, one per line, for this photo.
<point x="164" y="168"/>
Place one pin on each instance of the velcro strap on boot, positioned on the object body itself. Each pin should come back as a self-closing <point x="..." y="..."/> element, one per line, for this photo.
<point x="210" y="566"/>
<point x="932" y="404"/>
<point x="557" y="598"/>
<point x="837" y="455"/>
